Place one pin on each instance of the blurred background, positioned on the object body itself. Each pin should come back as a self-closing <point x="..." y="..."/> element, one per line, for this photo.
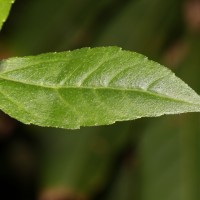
<point x="146" y="159"/>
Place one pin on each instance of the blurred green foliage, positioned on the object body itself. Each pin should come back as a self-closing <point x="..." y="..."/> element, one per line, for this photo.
<point x="148" y="159"/>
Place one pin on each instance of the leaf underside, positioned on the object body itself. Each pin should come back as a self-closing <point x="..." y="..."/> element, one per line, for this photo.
<point x="5" y="6"/>
<point x="89" y="87"/>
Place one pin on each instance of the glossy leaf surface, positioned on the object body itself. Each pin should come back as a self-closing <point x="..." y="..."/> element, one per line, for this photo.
<point x="89" y="87"/>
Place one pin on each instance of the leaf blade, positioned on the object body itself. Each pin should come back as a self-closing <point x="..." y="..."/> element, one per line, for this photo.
<point x="5" y="6"/>
<point x="88" y="87"/>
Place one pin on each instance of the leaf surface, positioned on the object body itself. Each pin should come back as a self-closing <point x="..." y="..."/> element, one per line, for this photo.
<point x="89" y="87"/>
<point x="5" y="6"/>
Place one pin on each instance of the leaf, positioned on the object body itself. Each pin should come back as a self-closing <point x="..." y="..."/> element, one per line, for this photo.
<point x="5" y="6"/>
<point x="88" y="87"/>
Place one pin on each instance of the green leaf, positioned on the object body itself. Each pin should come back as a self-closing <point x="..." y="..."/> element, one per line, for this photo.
<point x="5" y="6"/>
<point x="88" y="87"/>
